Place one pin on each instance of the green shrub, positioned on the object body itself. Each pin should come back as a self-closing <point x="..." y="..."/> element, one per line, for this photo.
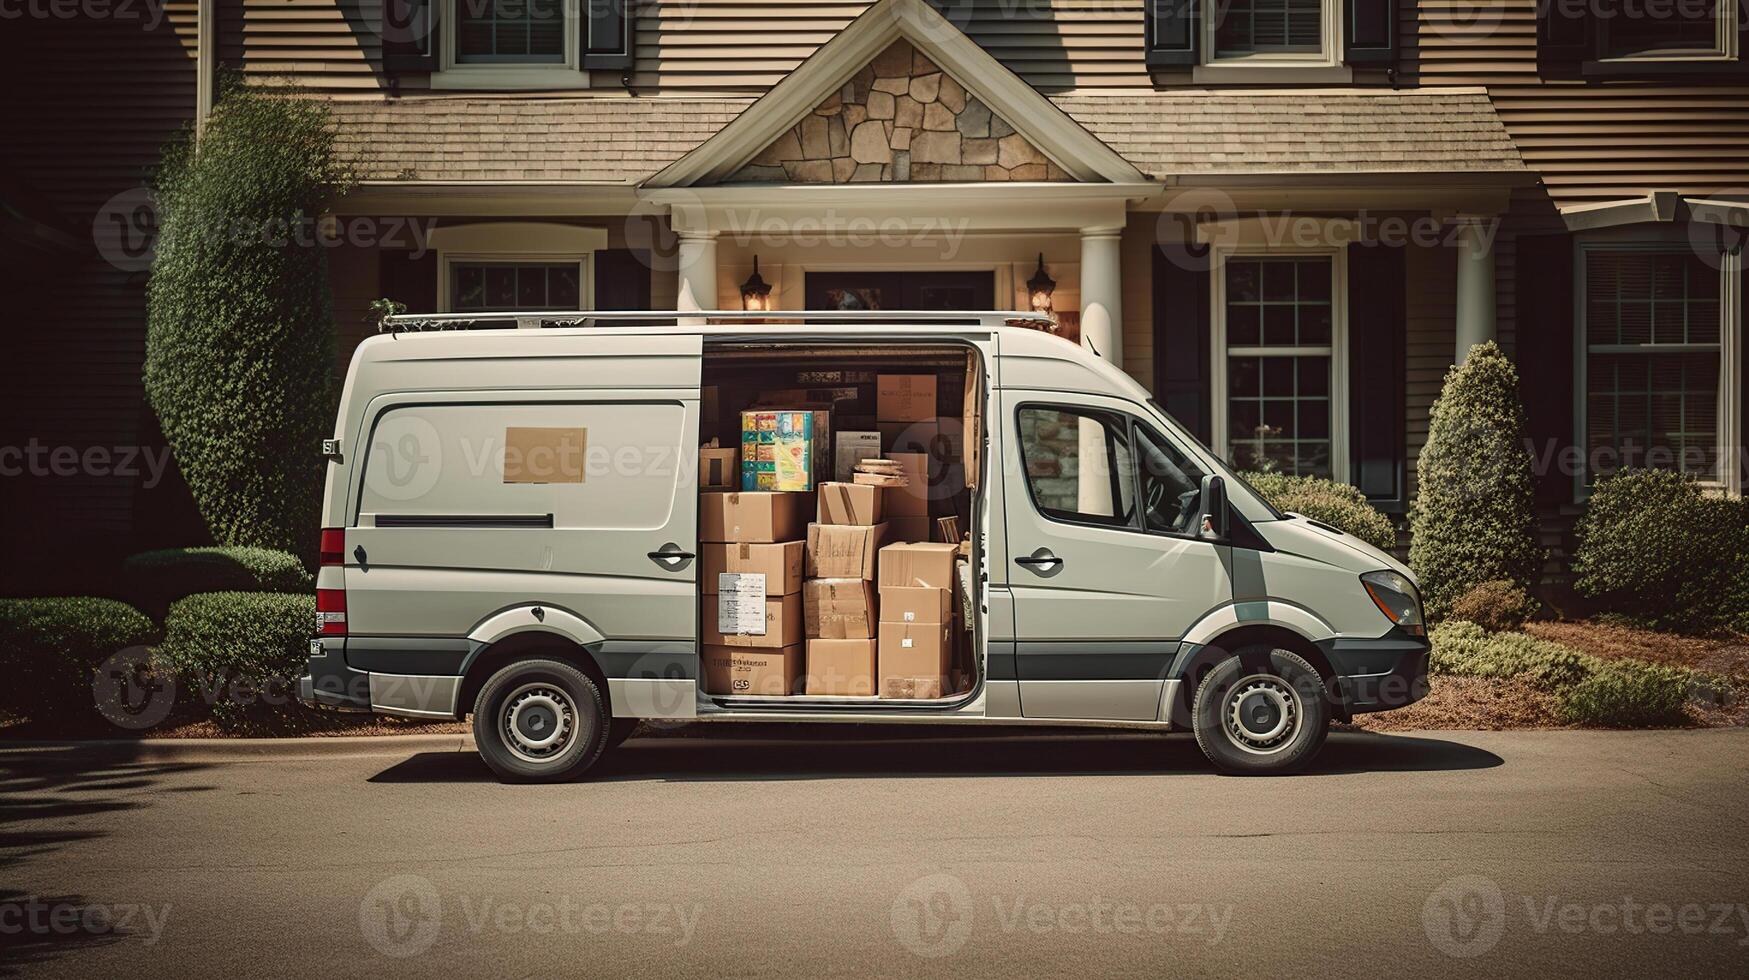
<point x="239" y="653"/>
<point x="152" y="580"/>
<point x="1658" y="550"/>
<point x="50" y="647"/>
<point x="1495" y="606"/>
<point x="1467" y="650"/>
<point x="240" y="331"/>
<point x="1337" y="504"/>
<point x="1474" y="515"/>
<point x="1627" y="694"/>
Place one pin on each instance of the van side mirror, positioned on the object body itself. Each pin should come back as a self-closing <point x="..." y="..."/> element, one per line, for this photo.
<point x="1214" y="509"/>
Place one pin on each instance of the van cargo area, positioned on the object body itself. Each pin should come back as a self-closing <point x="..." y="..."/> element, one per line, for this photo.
<point x="837" y="525"/>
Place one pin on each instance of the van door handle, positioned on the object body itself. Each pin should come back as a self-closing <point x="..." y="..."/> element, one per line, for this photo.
<point x="1041" y="559"/>
<point x="671" y="557"/>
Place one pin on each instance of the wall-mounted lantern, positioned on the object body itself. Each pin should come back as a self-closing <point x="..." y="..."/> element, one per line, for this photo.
<point x="756" y="292"/>
<point x="1040" y="287"/>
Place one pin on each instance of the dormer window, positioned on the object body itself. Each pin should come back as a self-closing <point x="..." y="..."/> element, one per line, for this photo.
<point x="510" y="32"/>
<point x="509" y="44"/>
<point x="1271" y="41"/>
<point x="1244" y="28"/>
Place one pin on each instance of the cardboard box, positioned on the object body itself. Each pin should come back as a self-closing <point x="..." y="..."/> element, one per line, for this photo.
<point x="909" y="437"/>
<point x="911" y="500"/>
<point x="843" y="550"/>
<point x="914" y="604"/>
<point x="718" y="468"/>
<point x="732" y="670"/>
<point x="850" y="448"/>
<point x="911" y="529"/>
<point x="911" y="688"/>
<point x="783" y="624"/>
<point x="780" y="563"/>
<point x="754" y="517"/>
<point x="849" y="503"/>
<point x="928" y="564"/>
<point x="841" y="667"/>
<point x="839" y="609"/>
<point x="905" y="397"/>
<point x="784" y="449"/>
<point x="913" y="650"/>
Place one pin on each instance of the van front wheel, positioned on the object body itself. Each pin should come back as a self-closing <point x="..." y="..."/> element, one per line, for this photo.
<point x="539" y="721"/>
<point x="1261" y="711"/>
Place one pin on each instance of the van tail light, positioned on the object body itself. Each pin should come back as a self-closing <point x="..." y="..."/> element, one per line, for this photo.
<point x="333" y="548"/>
<point x="331" y="612"/>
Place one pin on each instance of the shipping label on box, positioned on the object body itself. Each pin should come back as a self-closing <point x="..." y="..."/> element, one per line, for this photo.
<point x="545" y="454"/>
<point x="839" y="608"/>
<point x="905" y="397"/>
<point x="780" y="563"/>
<point x="850" y="503"/>
<point x="853" y="448"/>
<point x="754" y="517"/>
<point x="841" y="667"/>
<point x="915" y="604"/>
<point x="781" y="623"/>
<point x="843" y="550"/>
<point x="928" y="564"/>
<point x="741" y="603"/>
<point x="768" y="673"/>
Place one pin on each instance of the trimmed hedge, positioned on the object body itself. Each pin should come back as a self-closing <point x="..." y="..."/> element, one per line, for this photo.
<point x="1336" y="504"/>
<point x="1657" y="549"/>
<point x="240" y="653"/>
<point x="152" y="580"/>
<point x="1588" y="690"/>
<point x="1495" y="606"/>
<point x="240" y="322"/>
<point x="49" y="649"/>
<point x="1474" y="515"/>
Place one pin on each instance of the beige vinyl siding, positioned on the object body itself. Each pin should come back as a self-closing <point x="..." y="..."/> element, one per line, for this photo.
<point x="1591" y="141"/>
<point x="327" y="46"/>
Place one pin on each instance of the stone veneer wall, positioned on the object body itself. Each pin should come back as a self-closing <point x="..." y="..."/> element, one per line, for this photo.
<point x="900" y="119"/>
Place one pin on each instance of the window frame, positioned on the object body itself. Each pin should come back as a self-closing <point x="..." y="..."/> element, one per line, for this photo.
<point x="1324" y="65"/>
<point x="1724" y="43"/>
<point x="1731" y="327"/>
<point x="529" y="242"/>
<point x="1336" y="350"/>
<point x="584" y="263"/>
<point x="452" y="73"/>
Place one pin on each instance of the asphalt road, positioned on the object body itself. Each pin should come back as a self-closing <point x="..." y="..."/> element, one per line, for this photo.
<point x="924" y="853"/>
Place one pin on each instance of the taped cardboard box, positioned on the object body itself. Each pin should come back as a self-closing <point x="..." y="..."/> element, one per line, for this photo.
<point x="844" y="668"/>
<point x="913" y="660"/>
<point x="752" y="516"/>
<point x="718" y="468"/>
<point x="850" y="503"/>
<point x="780" y="563"/>
<point x="928" y="564"/>
<point x="782" y="622"/>
<point x="768" y="673"/>
<point x="844" y="550"/>
<point x="839" y="609"/>
<point x="912" y="688"/>
<point x="911" y="500"/>
<point x="905" y="397"/>
<point x="914" y="604"/>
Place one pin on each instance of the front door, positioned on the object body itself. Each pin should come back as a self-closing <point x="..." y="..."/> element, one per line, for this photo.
<point x="1105" y="572"/>
<point x="901" y="290"/>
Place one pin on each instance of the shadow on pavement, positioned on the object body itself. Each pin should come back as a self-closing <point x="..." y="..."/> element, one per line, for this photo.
<point x="822" y="752"/>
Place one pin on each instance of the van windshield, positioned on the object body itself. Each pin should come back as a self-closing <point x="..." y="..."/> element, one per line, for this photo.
<point x="1227" y="470"/>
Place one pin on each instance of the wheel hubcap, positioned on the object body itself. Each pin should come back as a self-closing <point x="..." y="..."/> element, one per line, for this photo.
<point x="537" y="722"/>
<point x="1262" y="714"/>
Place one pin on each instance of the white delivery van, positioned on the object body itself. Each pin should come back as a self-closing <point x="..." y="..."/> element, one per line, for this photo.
<point x="512" y="526"/>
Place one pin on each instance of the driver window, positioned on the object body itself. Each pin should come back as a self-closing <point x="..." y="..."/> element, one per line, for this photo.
<point x="1079" y="465"/>
<point x="1171" y="484"/>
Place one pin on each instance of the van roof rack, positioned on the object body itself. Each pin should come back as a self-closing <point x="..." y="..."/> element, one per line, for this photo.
<point x="488" y="320"/>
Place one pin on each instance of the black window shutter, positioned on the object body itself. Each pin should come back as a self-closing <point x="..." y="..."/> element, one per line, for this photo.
<point x="1370" y="33"/>
<point x="1565" y="37"/>
<point x="1377" y="381"/>
<point x="622" y="279"/>
<point x="1181" y="336"/>
<point x="607" y="33"/>
<point x="1545" y="315"/>
<point x="409" y="278"/>
<point x="1174" y="30"/>
<point x="410" y="32"/>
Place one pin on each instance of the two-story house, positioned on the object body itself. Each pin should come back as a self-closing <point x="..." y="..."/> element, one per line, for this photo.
<point x="1288" y="218"/>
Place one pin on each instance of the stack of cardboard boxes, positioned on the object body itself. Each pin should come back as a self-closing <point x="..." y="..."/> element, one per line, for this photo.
<point x="839" y="596"/>
<point x="917" y="634"/>
<point x="905" y="416"/>
<point x="750" y="571"/>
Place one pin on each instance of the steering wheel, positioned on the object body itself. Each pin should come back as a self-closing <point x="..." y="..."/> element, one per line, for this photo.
<point x="1154" y="503"/>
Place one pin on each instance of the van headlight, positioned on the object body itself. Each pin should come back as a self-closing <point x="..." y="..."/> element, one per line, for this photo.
<point x="1396" y="597"/>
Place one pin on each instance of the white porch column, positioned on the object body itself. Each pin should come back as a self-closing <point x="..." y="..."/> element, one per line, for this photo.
<point x="1475" y="283"/>
<point x="1102" y="292"/>
<point x="698" y="270"/>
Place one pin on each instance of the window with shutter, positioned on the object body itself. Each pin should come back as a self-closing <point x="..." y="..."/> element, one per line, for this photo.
<point x="523" y="44"/>
<point x="1271" y="40"/>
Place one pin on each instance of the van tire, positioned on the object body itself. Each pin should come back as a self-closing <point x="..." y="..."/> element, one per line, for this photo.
<point x="1261" y="711"/>
<point x="535" y="696"/>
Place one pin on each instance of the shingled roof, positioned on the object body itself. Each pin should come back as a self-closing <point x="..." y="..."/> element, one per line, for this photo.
<point x="1330" y="131"/>
<point x="624" y="141"/>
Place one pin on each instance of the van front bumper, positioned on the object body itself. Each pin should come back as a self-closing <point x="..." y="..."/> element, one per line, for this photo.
<point x="1379" y="674"/>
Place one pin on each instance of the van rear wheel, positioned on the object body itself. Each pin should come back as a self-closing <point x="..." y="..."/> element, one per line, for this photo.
<point x="1262" y="711"/>
<point x="540" y="721"/>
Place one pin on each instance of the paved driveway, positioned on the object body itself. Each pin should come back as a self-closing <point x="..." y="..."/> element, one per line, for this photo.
<point x="811" y="853"/>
